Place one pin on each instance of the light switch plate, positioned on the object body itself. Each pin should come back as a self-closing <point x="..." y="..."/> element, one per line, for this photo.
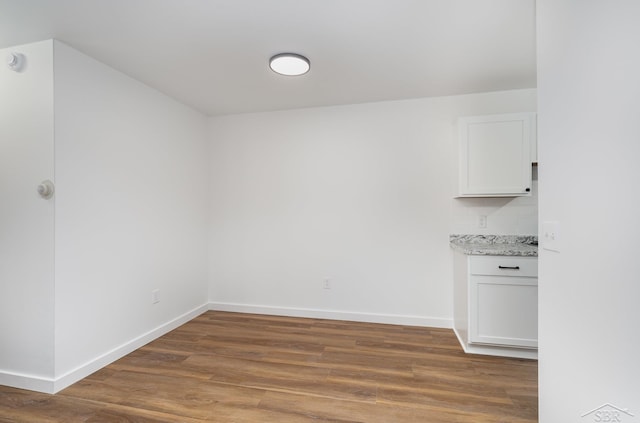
<point x="551" y="236"/>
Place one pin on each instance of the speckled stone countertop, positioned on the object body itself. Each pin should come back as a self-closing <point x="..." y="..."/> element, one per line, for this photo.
<point x="495" y="245"/>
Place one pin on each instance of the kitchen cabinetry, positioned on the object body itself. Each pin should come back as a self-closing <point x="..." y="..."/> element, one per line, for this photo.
<point x="496" y="153"/>
<point x="496" y="304"/>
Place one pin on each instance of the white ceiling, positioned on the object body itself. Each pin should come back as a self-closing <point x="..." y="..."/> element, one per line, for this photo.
<point x="213" y="54"/>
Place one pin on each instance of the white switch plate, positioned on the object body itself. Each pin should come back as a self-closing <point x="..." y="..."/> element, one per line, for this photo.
<point x="551" y="236"/>
<point x="482" y="221"/>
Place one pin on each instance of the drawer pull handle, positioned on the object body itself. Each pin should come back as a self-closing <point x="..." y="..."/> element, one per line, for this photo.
<point x="509" y="267"/>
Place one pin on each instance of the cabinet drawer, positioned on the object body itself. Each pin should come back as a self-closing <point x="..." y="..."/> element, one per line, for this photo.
<point x="504" y="266"/>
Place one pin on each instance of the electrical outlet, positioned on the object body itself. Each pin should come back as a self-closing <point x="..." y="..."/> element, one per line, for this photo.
<point x="482" y="221"/>
<point x="326" y="284"/>
<point x="155" y="296"/>
<point x="551" y="236"/>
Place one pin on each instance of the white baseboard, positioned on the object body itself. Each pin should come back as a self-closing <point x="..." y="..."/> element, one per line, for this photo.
<point x="394" y="319"/>
<point x="51" y="386"/>
<point x="29" y="382"/>
<point x="529" y="353"/>
<point x="96" y="364"/>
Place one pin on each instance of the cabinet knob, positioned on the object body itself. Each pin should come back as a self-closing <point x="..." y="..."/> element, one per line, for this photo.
<point x="528" y="189"/>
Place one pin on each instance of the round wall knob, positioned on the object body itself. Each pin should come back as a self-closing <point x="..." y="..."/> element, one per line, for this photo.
<point x="45" y="189"/>
<point x="15" y="61"/>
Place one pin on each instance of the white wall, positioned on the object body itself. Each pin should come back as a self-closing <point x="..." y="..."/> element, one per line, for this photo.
<point x="505" y="216"/>
<point x="589" y="144"/>
<point x="361" y="195"/>
<point x="130" y="209"/>
<point x="26" y="220"/>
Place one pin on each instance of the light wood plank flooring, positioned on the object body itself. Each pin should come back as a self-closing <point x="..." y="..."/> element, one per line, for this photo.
<point x="232" y="367"/>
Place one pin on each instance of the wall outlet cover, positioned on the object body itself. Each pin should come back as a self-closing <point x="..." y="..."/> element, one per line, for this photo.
<point x="551" y="236"/>
<point x="482" y="221"/>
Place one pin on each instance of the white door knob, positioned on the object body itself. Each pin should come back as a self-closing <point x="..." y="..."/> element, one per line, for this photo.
<point x="15" y="61"/>
<point x="45" y="189"/>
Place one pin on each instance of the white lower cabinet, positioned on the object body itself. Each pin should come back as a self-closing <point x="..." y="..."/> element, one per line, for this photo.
<point x="496" y="304"/>
<point x="503" y="310"/>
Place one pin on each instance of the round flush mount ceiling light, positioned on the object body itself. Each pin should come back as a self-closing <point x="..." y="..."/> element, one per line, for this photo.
<point x="289" y="64"/>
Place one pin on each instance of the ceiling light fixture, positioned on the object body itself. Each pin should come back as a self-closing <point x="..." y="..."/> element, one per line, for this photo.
<point x="289" y="64"/>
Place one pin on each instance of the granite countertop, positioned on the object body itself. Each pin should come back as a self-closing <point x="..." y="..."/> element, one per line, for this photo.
<point x="495" y="245"/>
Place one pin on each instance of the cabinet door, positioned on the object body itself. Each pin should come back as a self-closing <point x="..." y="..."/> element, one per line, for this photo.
<point x="495" y="155"/>
<point x="504" y="311"/>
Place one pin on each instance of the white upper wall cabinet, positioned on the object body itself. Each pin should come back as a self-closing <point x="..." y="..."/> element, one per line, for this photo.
<point x="495" y="155"/>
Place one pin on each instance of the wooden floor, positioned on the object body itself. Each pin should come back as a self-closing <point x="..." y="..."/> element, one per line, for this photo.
<point x="229" y="367"/>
